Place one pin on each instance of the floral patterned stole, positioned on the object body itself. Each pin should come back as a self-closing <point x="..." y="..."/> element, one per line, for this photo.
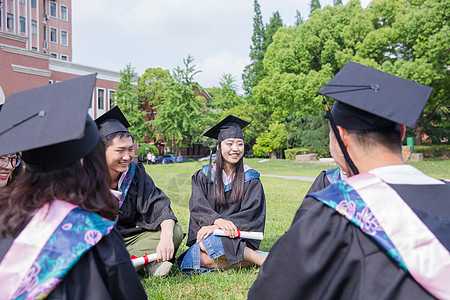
<point x="47" y="249"/>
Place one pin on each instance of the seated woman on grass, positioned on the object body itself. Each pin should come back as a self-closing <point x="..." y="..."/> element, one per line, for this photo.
<point x="226" y="195"/>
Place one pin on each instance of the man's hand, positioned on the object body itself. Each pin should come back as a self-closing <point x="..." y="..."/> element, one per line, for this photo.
<point x="166" y="248"/>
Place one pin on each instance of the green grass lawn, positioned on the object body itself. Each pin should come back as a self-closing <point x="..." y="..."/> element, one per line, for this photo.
<point x="283" y="197"/>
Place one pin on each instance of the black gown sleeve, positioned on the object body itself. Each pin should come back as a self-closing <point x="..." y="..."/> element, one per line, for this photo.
<point x="201" y="207"/>
<point x="146" y="206"/>
<point x="104" y="272"/>
<point x="323" y="256"/>
<point x="319" y="183"/>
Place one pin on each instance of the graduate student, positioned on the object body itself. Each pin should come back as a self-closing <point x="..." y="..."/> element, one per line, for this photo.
<point x="10" y="168"/>
<point x="382" y="233"/>
<point x="145" y="220"/>
<point x="226" y="195"/>
<point x="57" y="235"/>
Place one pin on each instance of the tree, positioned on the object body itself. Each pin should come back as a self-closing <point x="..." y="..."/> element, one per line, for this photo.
<point x="151" y="85"/>
<point x="298" y="19"/>
<point x="225" y="96"/>
<point x="337" y="2"/>
<point x="272" y="140"/>
<point x="131" y="105"/>
<point x="404" y="38"/>
<point x="308" y="131"/>
<point x="271" y="28"/>
<point x="179" y="115"/>
<point x="254" y="71"/>
<point x="313" y="5"/>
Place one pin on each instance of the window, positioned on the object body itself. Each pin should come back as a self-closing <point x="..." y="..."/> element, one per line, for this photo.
<point x="112" y="100"/>
<point x="63" y="13"/>
<point x="10" y="21"/>
<point x="54" y="55"/>
<point x="33" y="3"/>
<point x="21" y="1"/>
<point x="53" y="35"/>
<point x="53" y="9"/>
<point x="34" y="49"/>
<point x="22" y="24"/>
<point x="33" y="27"/>
<point x="101" y="99"/>
<point x="64" y="38"/>
<point x="64" y="57"/>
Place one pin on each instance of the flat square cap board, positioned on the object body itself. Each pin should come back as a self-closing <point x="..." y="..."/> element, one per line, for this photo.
<point x="381" y="94"/>
<point x="111" y="122"/>
<point x="229" y="127"/>
<point x="50" y="115"/>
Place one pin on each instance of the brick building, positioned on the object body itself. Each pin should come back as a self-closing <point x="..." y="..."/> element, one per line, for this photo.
<point x="36" y="49"/>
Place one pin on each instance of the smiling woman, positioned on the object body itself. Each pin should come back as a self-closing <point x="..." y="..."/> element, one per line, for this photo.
<point x="226" y="195"/>
<point x="9" y="168"/>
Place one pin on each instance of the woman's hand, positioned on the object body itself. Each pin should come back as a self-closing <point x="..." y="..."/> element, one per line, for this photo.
<point x="205" y="231"/>
<point x="228" y="227"/>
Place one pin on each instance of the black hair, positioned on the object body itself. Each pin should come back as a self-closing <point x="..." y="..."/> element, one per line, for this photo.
<point x="388" y="137"/>
<point x="237" y="183"/>
<point x="107" y="140"/>
<point x="83" y="183"/>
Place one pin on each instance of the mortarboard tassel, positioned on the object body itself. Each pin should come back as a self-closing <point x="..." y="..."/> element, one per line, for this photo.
<point x="349" y="161"/>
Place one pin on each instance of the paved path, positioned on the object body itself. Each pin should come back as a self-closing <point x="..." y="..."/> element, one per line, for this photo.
<point x="291" y="177"/>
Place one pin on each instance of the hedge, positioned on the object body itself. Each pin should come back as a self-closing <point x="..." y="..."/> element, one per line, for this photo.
<point x="321" y="152"/>
<point x="434" y="151"/>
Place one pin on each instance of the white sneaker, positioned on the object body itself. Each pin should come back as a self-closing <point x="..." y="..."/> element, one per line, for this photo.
<point x="159" y="269"/>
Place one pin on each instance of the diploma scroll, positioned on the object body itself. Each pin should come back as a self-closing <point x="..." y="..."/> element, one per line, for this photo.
<point x="243" y="234"/>
<point x="143" y="260"/>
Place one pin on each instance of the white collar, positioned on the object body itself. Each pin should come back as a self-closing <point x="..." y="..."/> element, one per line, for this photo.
<point x="226" y="180"/>
<point x="403" y="174"/>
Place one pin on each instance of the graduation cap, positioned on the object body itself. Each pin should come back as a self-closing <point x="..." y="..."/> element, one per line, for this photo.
<point x="111" y="122"/>
<point x="367" y="98"/>
<point x="50" y="124"/>
<point x="230" y="127"/>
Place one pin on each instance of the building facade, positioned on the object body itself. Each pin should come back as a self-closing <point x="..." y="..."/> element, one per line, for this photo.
<point x="36" y="49"/>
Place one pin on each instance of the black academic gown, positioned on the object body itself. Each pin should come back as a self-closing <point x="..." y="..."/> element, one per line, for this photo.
<point x="145" y="205"/>
<point x="104" y="272"/>
<point x="319" y="183"/>
<point x="324" y="256"/>
<point x="248" y="214"/>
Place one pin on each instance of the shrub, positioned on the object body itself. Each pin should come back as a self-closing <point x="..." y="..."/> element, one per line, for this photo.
<point x="434" y="151"/>
<point x="321" y="152"/>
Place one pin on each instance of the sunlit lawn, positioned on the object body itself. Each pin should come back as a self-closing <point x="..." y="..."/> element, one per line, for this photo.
<point x="283" y="198"/>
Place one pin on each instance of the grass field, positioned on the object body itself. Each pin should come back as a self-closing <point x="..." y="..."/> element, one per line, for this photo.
<point x="283" y="198"/>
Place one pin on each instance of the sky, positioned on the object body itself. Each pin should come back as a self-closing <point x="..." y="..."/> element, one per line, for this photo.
<point x="110" y="34"/>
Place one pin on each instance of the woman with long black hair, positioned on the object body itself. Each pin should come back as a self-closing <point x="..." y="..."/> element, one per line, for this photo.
<point x="226" y="195"/>
<point x="57" y="235"/>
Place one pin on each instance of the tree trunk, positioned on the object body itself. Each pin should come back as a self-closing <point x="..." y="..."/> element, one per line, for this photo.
<point x="273" y="155"/>
<point x="418" y="134"/>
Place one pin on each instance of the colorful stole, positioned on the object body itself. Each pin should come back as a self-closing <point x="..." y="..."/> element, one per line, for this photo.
<point x="125" y="182"/>
<point x="333" y="175"/>
<point x="423" y="256"/>
<point x="47" y="249"/>
<point x="249" y="174"/>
